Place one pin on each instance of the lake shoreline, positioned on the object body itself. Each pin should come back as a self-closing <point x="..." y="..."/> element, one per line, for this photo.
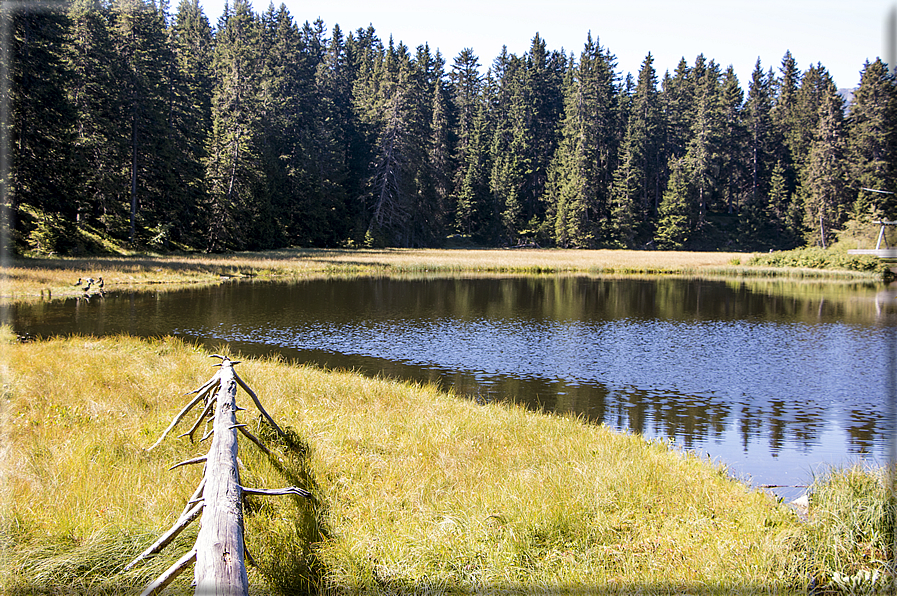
<point x="36" y="279"/>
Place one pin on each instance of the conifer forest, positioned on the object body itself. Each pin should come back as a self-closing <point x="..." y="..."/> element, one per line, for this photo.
<point x="151" y="124"/>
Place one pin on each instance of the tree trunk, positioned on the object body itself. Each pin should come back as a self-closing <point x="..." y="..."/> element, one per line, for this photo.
<point x="220" y="566"/>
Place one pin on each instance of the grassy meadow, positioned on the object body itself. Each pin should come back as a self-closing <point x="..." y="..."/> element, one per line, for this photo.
<point x="55" y="277"/>
<point x="415" y="490"/>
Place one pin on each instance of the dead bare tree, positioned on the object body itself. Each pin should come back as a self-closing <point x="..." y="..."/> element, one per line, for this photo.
<point x="219" y="553"/>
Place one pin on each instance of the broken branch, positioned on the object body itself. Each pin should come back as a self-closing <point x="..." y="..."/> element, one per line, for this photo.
<point x="258" y="404"/>
<point x="180" y="415"/>
<point x="168" y="576"/>
<point x="166" y="538"/>
<point x="277" y="492"/>
<point x="187" y="462"/>
<point x="255" y="440"/>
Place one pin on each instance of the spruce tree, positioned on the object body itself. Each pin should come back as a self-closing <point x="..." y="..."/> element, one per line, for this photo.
<point x="586" y="157"/>
<point x="42" y="119"/>
<point x="637" y="183"/>
<point x="872" y="142"/>
<point x="140" y="41"/>
<point x="824" y="183"/>
<point x="704" y="146"/>
<point x="234" y="168"/>
<point x="100" y="149"/>
<point x="189" y="118"/>
<point x="754" y="215"/>
<point x="677" y="209"/>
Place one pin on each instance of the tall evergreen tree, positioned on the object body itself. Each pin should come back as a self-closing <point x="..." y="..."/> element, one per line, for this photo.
<point x="754" y="216"/>
<point x="475" y="213"/>
<point x="733" y="146"/>
<point x="824" y="183"/>
<point x="339" y="156"/>
<point x="637" y="183"/>
<point x="189" y="118"/>
<point x="677" y="217"/>
<point x="586" y="157"/>
<point x="707" y="134"/>
<point x="100" y="149"/>
<point x="234" y="168"/>
<point x="41" y="116"/>
<point x="872" y="142"/>
<point x="141" y="46"/>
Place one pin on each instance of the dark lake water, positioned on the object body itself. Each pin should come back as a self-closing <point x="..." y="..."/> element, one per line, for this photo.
<point x="776" y="379"/>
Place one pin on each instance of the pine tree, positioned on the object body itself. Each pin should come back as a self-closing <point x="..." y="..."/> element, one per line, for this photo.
<point x="677" y="209"/>
<point x="41" y="117"/>
<point x="637" y="183"/>
<point x="586" y="157"/>
<point x="824" y="183"/>
<point x="234" y="170"/>
<point x="872" y="142"/>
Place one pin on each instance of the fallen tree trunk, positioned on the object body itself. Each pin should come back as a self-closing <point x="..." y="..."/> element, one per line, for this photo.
<point x="220" y="565"/>
<point x="219" y="553"/>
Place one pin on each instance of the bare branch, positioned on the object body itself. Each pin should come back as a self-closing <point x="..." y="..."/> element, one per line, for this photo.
<point x="207" y="386"/>
<point x="202" y="417"/>
<point x="195" y="497"/>
<point x="255" y="440"/>
<point x="168" y="576"/>
<point x="166" y="538"/>
<point x="183" y="412"/>
<point x="187" y="462"/>
<point x="249" y="556"/>
<point x="258" y="404"/>
<point x="277" y="492"/>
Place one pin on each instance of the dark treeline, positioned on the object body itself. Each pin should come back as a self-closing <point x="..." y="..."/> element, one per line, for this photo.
<point x="152" y="126"/>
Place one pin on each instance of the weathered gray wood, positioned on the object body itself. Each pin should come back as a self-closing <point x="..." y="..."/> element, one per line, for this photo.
<point x="258" y="404"/>
<point x="277" y="492"/>
<point x="196" y="497"/>
<point x="166" y="538"/>
<point x="255" y="440"/>
<point x="220" y="552"/>
<point x="199" y="420"/>
<point x="220" y="565"/>
<point x="187" y="462"/>
<point x="201" y="393"/>
<point x="168" y="576"/>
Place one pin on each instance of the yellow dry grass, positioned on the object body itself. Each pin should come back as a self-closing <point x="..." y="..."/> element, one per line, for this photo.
<point x="27" y="279"/>
<point x="416" y="491"/>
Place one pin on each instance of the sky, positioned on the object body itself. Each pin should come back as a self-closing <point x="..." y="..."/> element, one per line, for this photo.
<point x="840" y="34"/>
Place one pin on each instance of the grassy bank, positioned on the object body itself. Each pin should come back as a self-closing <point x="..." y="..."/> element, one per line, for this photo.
<point x="35" y="279"/>
<point x="416" y="490"/>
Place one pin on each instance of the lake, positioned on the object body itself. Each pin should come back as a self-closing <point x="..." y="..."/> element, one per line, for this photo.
<point x="778" y="380"/>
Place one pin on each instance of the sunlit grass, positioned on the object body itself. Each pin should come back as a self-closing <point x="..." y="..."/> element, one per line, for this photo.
<point x="28" y="279"/>
<point x="415" y="490"/>
<point x="47" y="278"/>
<point x="851" y="528"/>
